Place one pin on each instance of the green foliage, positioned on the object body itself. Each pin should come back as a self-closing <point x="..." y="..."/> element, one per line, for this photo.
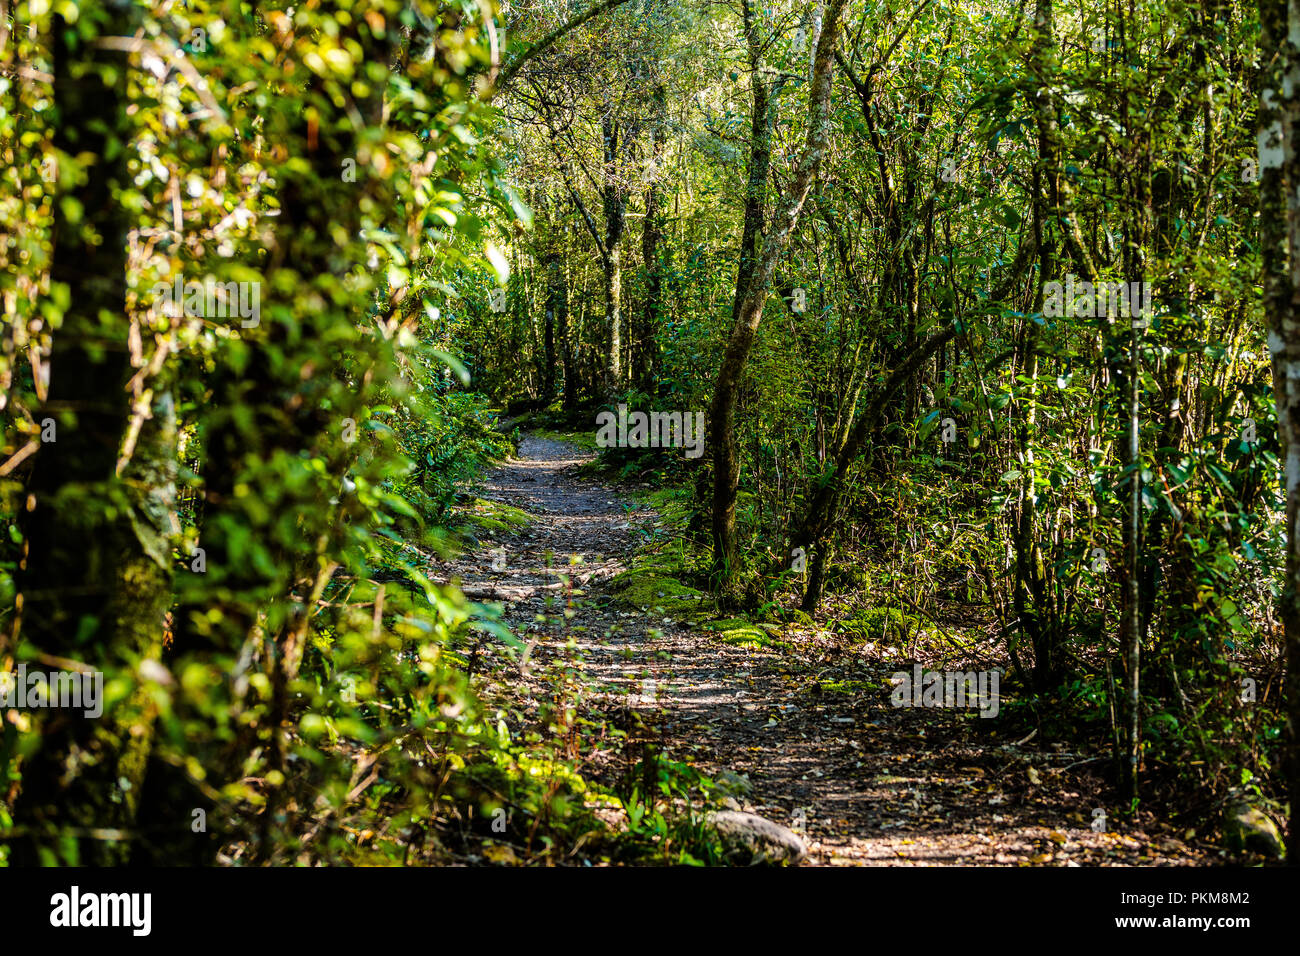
<point x="242" y="520"/>
<point x="314" y="698"/>
<point x="887" y="625"/>
<point x="449" y="440"/>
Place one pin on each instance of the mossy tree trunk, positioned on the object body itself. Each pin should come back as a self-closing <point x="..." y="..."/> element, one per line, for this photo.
<point x="722" y="431"/>
<point x="94" y="581"/>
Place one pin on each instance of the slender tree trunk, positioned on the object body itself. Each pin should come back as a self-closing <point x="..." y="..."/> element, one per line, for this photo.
<point x="1279" y="167"/>
<point x="613" y="320"/>
<point x="615" y="205"/>
<point x="812" y="530"/>
<point x="1132" y="609"/>
<point x="726" y="463"/>
<point x="570" y="400"/>
<point x="760" y="161"/>
<point x="647" y="352"/>
<point x="553" y="292"/>
<point x="92" y="587"/>
<point x="1029" y="596"/>
<point x="1137" y="234"/>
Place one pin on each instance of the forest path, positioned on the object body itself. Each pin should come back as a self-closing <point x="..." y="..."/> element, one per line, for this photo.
<point x="809" y="725"/>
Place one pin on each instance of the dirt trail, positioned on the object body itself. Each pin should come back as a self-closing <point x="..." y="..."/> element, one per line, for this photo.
<point x="867" y="783"/>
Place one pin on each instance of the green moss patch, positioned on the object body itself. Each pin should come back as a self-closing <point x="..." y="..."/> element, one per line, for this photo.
<point x="845" y="578"/>
<point x="848" y="686"/>
<point x="674" y="505"/>
<point x="888" y="625"/>
<point x="585" y="440"/>
<point x="480" y="516"/>
<point x="665" y="560"/>
<point x="791" y="616"/>
<point x="742" y="633"/>
<point x="650" y="589"/>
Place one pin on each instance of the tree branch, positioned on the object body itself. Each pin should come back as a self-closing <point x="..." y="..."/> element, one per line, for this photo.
<point x="548" y="41"/>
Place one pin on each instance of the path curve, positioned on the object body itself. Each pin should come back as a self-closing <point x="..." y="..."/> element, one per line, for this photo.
<point x="865" y="782"/>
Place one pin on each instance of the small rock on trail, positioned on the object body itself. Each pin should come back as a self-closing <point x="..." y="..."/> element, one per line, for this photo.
<point x="752" y="839"/>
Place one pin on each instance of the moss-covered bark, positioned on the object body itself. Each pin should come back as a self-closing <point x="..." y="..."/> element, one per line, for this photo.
<point x="93" y="583"/>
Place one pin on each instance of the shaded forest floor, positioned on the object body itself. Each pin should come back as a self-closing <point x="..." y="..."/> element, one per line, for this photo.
<point x="800" y="731"/>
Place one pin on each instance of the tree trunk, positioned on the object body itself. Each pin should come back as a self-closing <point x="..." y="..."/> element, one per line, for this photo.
<point x="1132" y="607"/>
<point x="1279" y="166"/>
<point x="1137" y="232"/>
<point x="647" y="352"/>
<point x="726" y="463"/>
<point x="613" y="272"/>
<point x="90" y="589"/>
<point x="570" y="400"/>
<point x="760" y="160"/>
<point x="1029" y="595"/>
<point x="615" y="195"/>
<point x="553" y="292"/>
<point x="813" y="528"/>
